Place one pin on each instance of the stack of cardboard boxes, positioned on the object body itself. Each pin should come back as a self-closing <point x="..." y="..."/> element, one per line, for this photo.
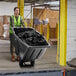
<point x="53" y="16"/>
<point x="1" y="27"/>
<point x="4" y="24"/>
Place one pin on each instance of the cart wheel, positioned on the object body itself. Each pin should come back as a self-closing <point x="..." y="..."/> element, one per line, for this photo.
<point x="32" y="63"/>
<point x="21" y="63"/>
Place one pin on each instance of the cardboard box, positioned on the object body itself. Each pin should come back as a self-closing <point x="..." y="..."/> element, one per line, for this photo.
<point x="45" y="31"/>
<point x="6" y="19"/>
<point x="53" y="17"/>
<point x="6" y="31"/>
<point x="53" y="33"/>
<point x="38" y="28"/>
<point x="1" y="30"/>
<point x="53" y="22"/>
<point x="1" y="20"/>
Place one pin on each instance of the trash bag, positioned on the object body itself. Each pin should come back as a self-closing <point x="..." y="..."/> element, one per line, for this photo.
<point x="32" y="38"/>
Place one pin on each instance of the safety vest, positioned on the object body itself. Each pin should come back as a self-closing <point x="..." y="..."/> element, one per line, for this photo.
<point x="17" y="23"/>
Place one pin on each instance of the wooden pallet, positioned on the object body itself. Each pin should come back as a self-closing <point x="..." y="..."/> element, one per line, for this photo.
<point x="53" y="41"/>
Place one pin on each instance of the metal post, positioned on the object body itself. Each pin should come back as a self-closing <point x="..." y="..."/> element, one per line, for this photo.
<point x="22" y="8"/>
<point x="48" y="32"/>
<point x="62" y="33"/>
<point x="41" y="29"/>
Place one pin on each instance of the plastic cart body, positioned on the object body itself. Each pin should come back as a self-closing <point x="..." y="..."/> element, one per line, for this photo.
<point x="28" y="53"/>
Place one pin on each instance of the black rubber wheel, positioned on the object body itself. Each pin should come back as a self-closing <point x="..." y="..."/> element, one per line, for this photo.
<point x="21" y="63"/>
<point x="32" y="63"/>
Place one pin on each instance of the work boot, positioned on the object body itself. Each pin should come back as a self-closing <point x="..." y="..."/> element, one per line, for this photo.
<point x="13" y="58"/>
<point x="17" y="58"/>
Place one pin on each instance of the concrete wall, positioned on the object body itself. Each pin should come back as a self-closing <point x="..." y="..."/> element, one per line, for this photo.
<point x="6" y="8"/>
<point x="71" y="30"/>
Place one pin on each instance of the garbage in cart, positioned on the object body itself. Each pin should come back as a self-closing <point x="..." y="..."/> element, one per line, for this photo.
<point x="32" y="45"/>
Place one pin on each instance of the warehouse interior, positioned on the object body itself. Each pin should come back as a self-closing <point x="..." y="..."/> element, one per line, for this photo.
<point x="43" y="16"/>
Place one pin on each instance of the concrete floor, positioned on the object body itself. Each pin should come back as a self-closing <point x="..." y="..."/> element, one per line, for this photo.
<point x="47" y="62"/>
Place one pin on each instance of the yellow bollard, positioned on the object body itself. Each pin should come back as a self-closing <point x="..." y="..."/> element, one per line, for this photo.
<point x="31" y="24"/>
<point x="48" y="32"/>
<point x="57" y="57"/>
<point x="41" y="29"/>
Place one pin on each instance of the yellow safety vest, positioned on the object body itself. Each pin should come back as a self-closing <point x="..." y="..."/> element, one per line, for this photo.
<point x="17" y="23"/>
